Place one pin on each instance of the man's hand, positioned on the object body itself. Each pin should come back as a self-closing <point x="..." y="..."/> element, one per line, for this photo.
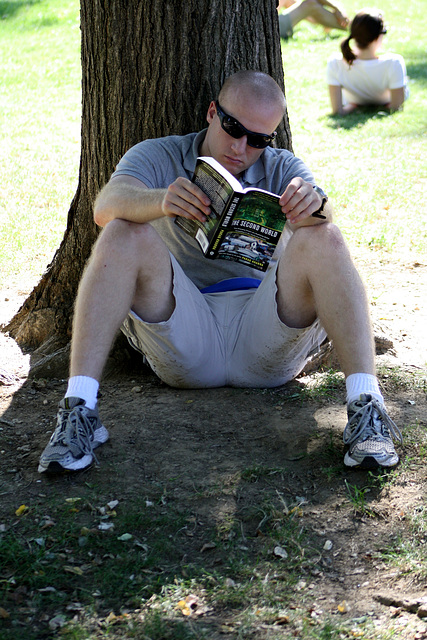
<point x="184" y="198"/>
<point x="299" y="201"/>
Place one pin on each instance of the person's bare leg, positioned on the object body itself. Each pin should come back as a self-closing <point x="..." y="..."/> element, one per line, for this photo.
<point x="317" y="278"/>
<point x="317" y="12"/>
<point x="129" y="267"/>
<point x="285" y="4"/>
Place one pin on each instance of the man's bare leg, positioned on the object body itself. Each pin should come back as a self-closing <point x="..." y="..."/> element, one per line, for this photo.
<point x="129" y="267"/>
<point x="317" y="278"/>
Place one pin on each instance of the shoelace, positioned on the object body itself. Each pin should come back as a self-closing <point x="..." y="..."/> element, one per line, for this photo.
<point x="79" y="431"/>
<point x="83" y="431"/>
<point x="366" y="419"/>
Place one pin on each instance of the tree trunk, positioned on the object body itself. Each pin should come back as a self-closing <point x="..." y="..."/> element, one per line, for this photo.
<point x="149" y="69"/>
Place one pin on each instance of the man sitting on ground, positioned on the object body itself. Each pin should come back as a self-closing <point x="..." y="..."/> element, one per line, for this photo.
<point x="150" y="279"/>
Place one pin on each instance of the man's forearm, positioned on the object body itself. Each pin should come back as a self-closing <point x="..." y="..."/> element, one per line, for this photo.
<point x="126" y="200"/>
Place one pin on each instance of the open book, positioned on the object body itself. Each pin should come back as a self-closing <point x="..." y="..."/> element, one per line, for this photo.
<point x="245" y="224"/>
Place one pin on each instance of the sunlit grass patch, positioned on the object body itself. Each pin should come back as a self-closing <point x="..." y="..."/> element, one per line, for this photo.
<point x="366" y="160"/>
<point x="407" y="552"/>
<point x="327" y="384"/>
<point x="40" y="112"/>
<point x="394" y="378"/>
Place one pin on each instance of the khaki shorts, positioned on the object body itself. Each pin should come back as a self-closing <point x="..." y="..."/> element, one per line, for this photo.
<point x="232" y="338"/>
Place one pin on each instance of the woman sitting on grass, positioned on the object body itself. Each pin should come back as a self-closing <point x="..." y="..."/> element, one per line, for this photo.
<point x="362" y="77"/>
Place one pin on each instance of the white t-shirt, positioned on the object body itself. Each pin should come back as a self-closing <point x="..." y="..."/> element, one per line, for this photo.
<point x="367" y="81"/>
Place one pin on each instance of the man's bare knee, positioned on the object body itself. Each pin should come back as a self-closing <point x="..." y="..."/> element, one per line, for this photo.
<point x="121" y="239"/>
<point x="306" y="242"/>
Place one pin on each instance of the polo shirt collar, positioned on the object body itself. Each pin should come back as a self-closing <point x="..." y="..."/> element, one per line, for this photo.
<point x="254" y="174"/>
<point x="194" y="151"/>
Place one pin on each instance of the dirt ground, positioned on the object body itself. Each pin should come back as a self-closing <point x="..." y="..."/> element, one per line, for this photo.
<point x="201" y="439"/>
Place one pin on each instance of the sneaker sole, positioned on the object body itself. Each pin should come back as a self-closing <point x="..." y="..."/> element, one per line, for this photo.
<point x="369" y="462"/>
<point x="56" y="466"/>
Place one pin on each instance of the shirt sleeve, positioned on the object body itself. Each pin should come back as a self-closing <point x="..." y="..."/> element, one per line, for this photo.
<point x="332" y="72"/>
<point x="144" y="161"/>
<point x="397" y="73"/>
<point x="296" y="168"/>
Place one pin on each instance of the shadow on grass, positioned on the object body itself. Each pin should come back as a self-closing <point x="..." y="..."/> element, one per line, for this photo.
<point x="201" y="522"/>
<point x="191" y="525"/>
<point x="10" y="9"/>
<point x="417" y="71"/>
<point x="315" y="36"/>
<point x="151" y="563"/>
<point x="358" y="118"/>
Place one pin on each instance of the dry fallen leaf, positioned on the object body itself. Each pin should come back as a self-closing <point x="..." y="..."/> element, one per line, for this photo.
<point x="76" y="570"/>
<point x="111" y="618"/>
<point x="189" y="605"/>
<point x="125" y="537"/>
<point x="229" y="582"/>
<point x="39" y="541"/>
<point x="4" y="614"/>
<point x="343" y="607"/>
<point x="20" y="510"/>
<point x="182" y="605"/>
<point x="57" y="622"/>
<point x="282" y="618"/>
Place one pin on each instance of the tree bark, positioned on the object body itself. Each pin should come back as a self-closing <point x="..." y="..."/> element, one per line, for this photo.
<point x="149" y="69"/>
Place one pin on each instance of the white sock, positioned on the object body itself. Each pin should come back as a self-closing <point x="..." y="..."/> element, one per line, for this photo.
<point x="358" y="383"/>
<point x="83" y="387"/>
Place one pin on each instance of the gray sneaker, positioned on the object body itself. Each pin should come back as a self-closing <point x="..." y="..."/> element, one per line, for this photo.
<point x="368" y="435"/>
<point x="79" y="431"/>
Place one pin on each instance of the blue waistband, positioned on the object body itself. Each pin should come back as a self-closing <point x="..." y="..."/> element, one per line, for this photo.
<point x="232" y="284"/>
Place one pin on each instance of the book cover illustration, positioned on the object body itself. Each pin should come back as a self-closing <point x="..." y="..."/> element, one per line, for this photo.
<point x="245" y="224"/>
<point x="254" y="230"/>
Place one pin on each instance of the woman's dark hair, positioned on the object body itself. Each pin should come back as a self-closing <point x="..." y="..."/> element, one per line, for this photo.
<point x="365" y="27"/>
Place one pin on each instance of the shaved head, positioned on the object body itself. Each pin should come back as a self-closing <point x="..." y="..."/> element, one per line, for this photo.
<point x="254" y="85"/>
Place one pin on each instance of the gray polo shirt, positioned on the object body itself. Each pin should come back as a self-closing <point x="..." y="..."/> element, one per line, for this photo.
<point x="158" y="162"/>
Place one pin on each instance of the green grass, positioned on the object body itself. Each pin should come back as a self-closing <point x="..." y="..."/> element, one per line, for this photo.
<point x="373" y="165"/>
<point x="133" y="581"/>
<point x="61" y="564"/>
<point x="40" y="112"/>
<point x="160" y="573"/>
<point x="407" y="553"/>
<point x="54" y="556"/>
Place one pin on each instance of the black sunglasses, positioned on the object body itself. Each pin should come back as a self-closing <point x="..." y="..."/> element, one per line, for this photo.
<point x="237" y="130"/>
